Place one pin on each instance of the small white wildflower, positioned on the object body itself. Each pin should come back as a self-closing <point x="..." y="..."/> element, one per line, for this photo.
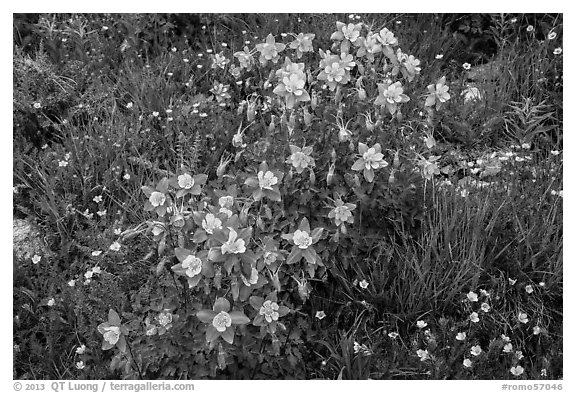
<point x="36" y="259"/>
<point x="115" y="246"/>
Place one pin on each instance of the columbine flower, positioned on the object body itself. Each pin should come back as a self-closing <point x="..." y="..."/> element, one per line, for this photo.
<point x="423" y="354"/>
<point x="51" y="302"/>
<point x="269" y="50"/>
<point x="485" y="307"/>
<point x="476" y="350"/>
<point x="36" y="259"/>
<point x="185" y="181"/>
<point x="157" y="199"/>
<point x="221" y="321"/>
<point x="233" y="245"/>
<point x="71" y="283"/>
<point x="80" y="365"/>
<point x="536" y="330"/>
<point x="210" y="223"/>
<point x="115" y="246"/>
<point x="473" y="297"/>
<point x="471" y="93"/>
<point x="363" y="284"/>
<point x="370" y="159"/>
<point x="81" y="349"/>
<point x="474" y="317"/>
<point x="386" y="37"/>
<point x="302" y="43"/>
<point x="421" y="324"/>
<point x="291" y="87"/>
<point x="461" y="336"/>
<point x="507" y="348"/>
<point x="113" y="332"/>
<point x="219" y="61"/>
<point x="269" y="310"/>
<point x="193" y="265"/>
<point x="523" y="317"/>
<point x="518" y="355"/>
<point x="466" y="66"/>
<point x="410" y="68"/>
<point x="300" y="158"/>
<point x="439" y="56"/>
<point x="557" y="51"/>
<point x="37" y="105"/>
<point x="552" y="35"/>
<point x="467" y="363"/>
<point x="347" y="34"/>
<point x="266" y="180"/>
<point x="529" y="289"/>
<point x="438" y="93"/>
<point x="390" y="96"/>
<point x="96" y="253"/>
<point x="302" y="239"/>
<point x="97" y="198"/>
<point x="342" y="212"/>
<point x="63" y="163"/>
<point x="393" y="335"/>
<point x="320" y="314"/>
<point x="516" y="371"/>
<point x="245" y="58"/>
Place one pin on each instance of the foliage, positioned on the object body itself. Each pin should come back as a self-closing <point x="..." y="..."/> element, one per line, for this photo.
<point x="287" y="196"/>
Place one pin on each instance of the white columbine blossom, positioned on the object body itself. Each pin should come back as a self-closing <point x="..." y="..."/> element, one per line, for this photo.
<point x="185" y="181"/>
<point x="269" y="310"/>
<point x="302" y="239"/>
<point x="267" y="180"/>
<point x="222" y="321"/>
<point x="233" y="245"/>
<point x="193" y="265"/>
<point x="112" y="334"/>
<point x="211" y="222"/>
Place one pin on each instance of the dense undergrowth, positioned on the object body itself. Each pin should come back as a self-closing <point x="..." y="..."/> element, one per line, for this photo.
<point x="289" y="196"/>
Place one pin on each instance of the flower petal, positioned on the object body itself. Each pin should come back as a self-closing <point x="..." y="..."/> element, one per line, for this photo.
<point x="239" y="318"/>
<point x="221" y="304"/>
<point x="206" y="316"/>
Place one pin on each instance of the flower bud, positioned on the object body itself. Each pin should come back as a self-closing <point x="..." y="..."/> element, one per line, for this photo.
<point x="292" y="123"/>
<point x="314" y="100"/>
<point x="362" y="94"/>
<point x="272" y="125"/>
<point x="307" y="117"/>
<point x="391" y="178"/>
<point x="330" y="175"/>
<point x="312" y="177"/>
<point x="251" y="111"/>
<point x="396" y="161"/>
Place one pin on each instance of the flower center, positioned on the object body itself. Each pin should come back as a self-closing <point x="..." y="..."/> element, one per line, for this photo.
<point x="222" y="321"/>
<point x="193" y="265"/>
<point x="302" y="239"/>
